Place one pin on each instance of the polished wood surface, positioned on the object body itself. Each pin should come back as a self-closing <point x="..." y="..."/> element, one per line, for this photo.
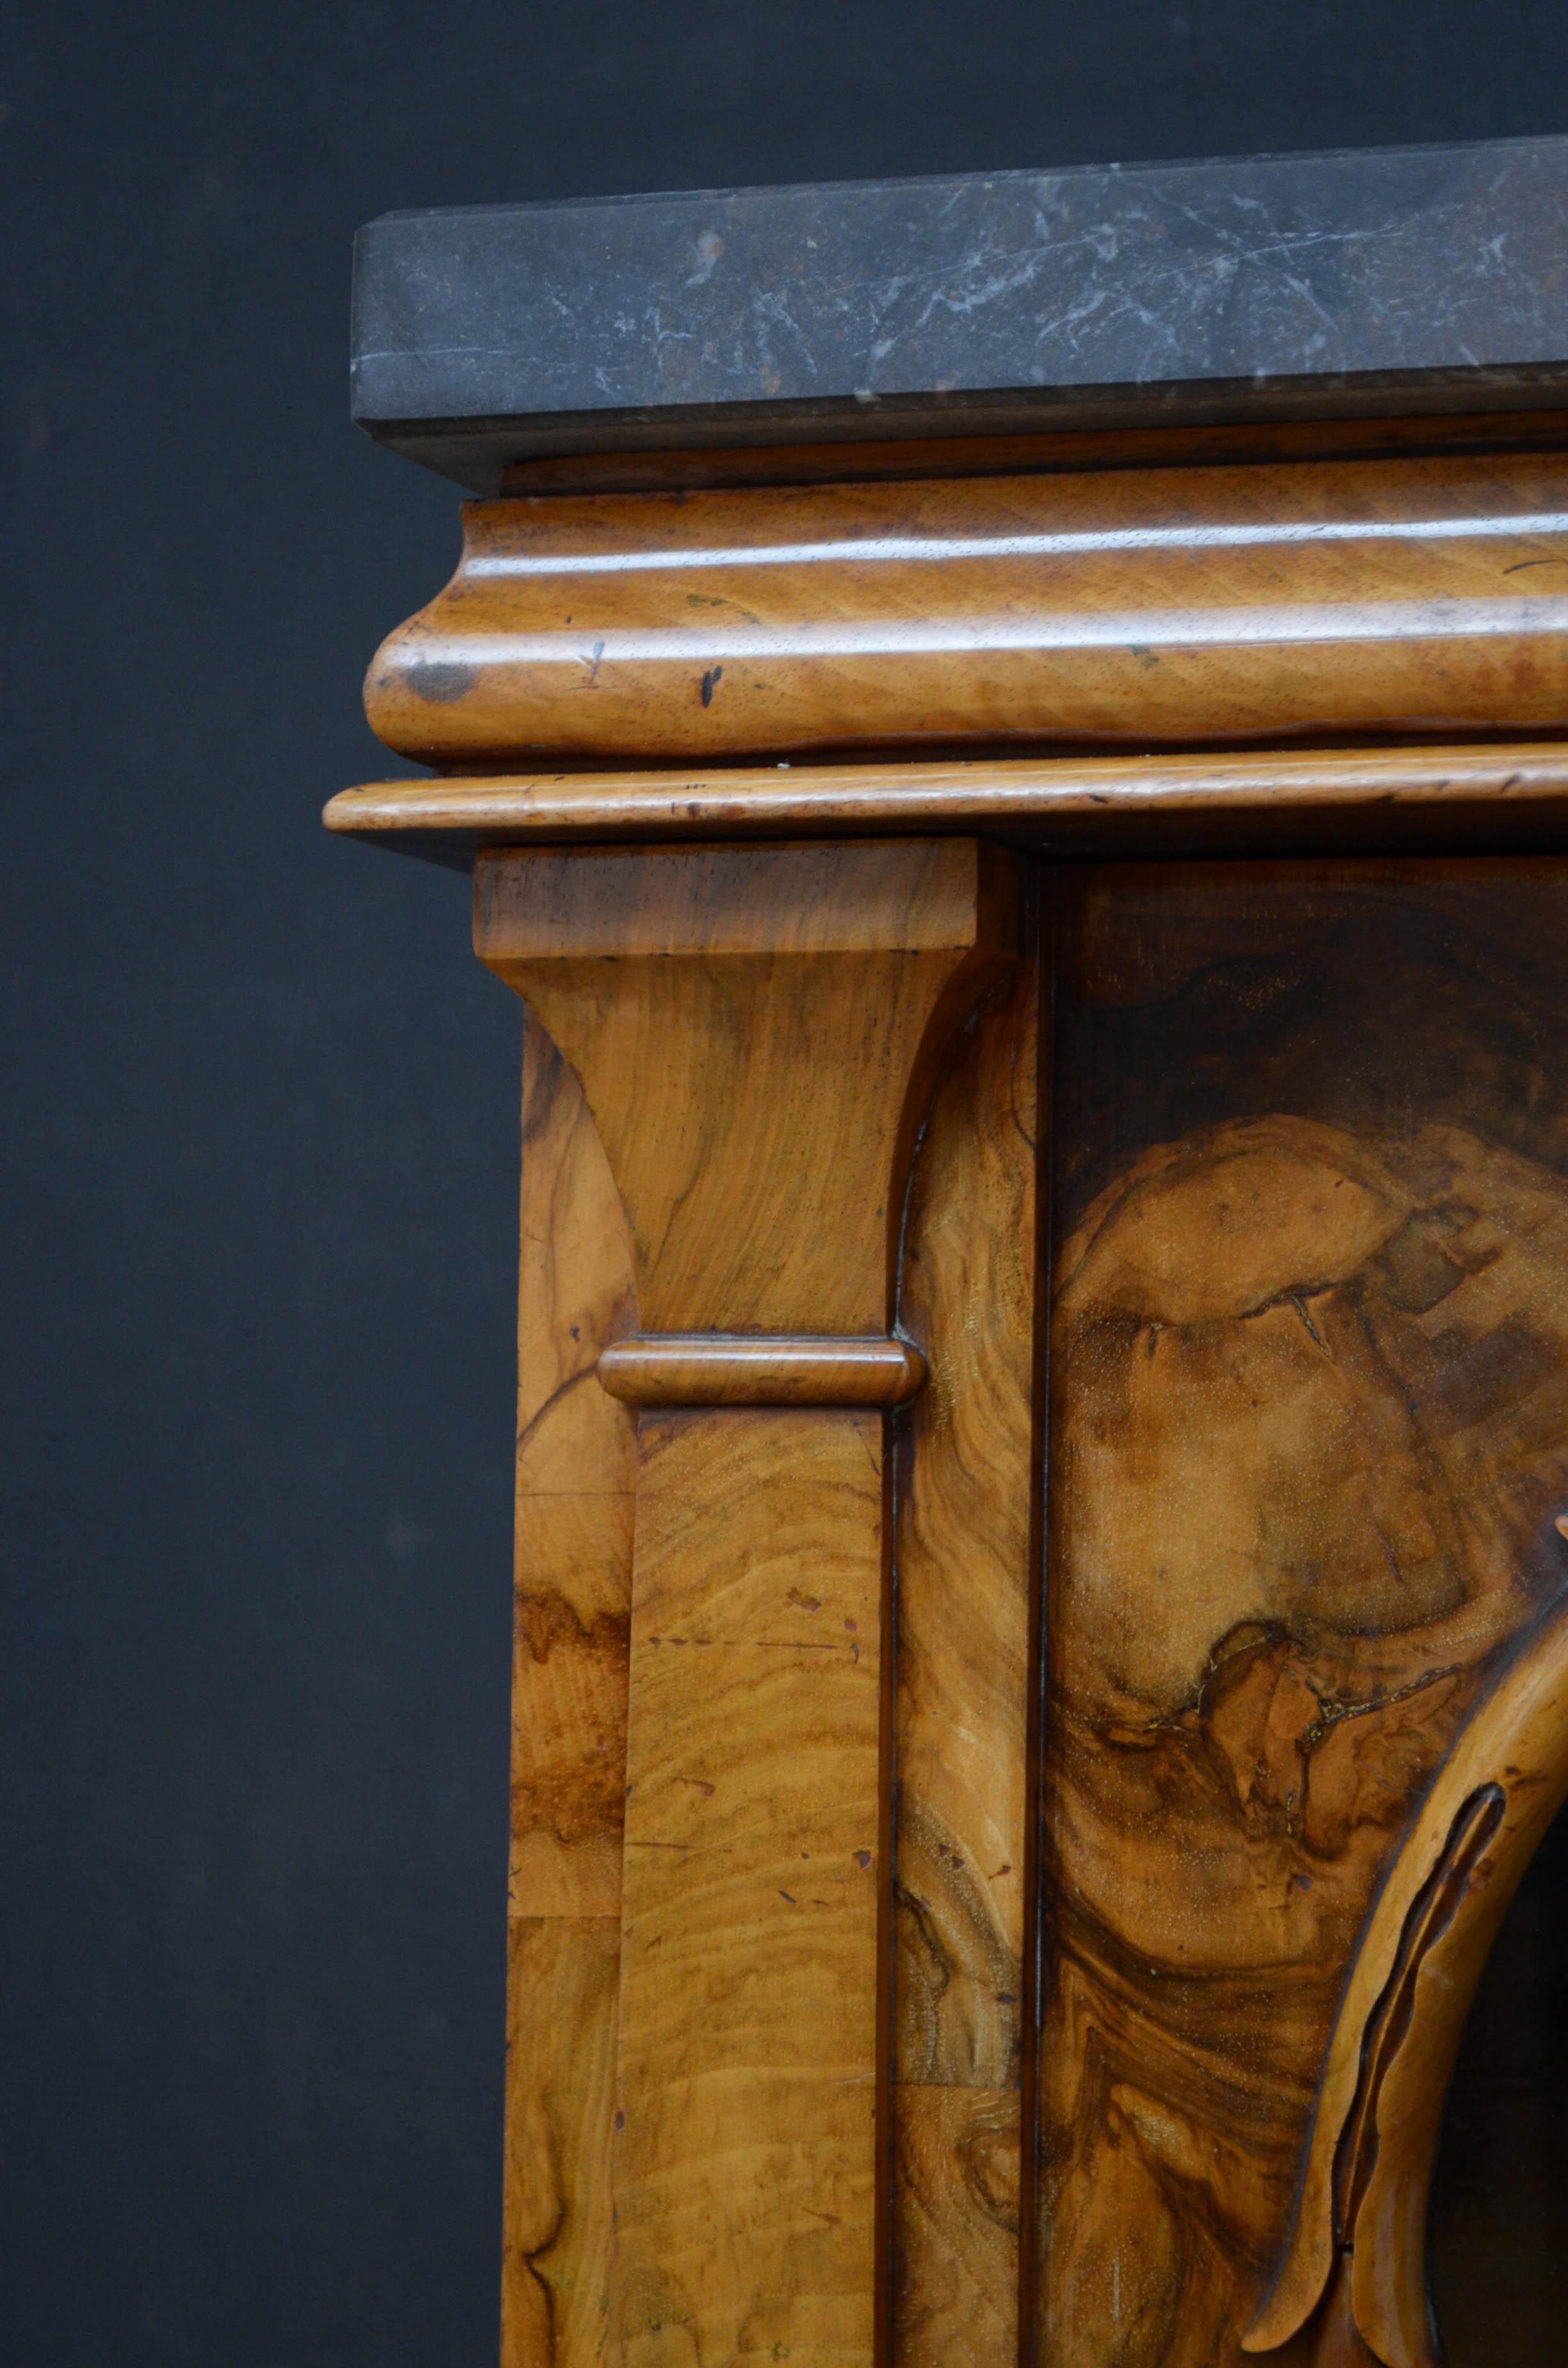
<point x="955" y="2224"/>
<point x="1310" y="1443"/>
<point x="1131" y="607"/>
<point x="1306" y="1713"/>
<point x="563" y="1976"/>
<point x="576" y="1491"/>
<point x="966" y="1539"/>
<point x="759" y="1369"/>
<point x="757" y="1033"/>
<point x="684" y="988"/>
<point x="745" y="2156"/>
<point x="1211" y="804"/>
<point x="576" y="1485"/>
<point x="1042" y="1524"/>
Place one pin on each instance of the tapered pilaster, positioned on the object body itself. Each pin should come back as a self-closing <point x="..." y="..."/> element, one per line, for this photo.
<point x="756" y="1032"/>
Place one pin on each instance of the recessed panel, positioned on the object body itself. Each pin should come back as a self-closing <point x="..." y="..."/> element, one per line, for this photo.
<point x="1309" y="1450"/>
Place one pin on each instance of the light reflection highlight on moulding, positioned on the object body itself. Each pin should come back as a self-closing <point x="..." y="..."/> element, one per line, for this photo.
<point x="935" y="550"/>
<point x="1241" y="627"/>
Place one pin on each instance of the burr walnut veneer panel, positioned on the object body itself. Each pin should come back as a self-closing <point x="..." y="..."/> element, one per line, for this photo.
<point x="576" y="1451"/>
<point x="1308" y="1659"/>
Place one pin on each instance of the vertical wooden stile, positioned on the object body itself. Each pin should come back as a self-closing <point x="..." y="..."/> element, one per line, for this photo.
<point x="962" y="1685"/>
<point x="575" y="1477"/>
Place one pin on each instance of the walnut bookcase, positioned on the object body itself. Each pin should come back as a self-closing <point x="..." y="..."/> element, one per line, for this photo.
<point x="1042" y="1468"/>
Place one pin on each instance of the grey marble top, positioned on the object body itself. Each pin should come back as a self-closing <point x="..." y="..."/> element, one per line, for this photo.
<point x="1363" y="281"/>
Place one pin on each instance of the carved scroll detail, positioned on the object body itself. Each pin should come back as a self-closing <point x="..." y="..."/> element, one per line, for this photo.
<point x="1356" y="2250"/>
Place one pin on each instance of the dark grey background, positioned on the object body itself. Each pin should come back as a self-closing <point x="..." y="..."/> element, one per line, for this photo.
<point x="259" y="1122"/>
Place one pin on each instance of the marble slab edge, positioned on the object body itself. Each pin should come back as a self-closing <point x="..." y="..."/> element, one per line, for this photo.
<point x="1345" y="284"/>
